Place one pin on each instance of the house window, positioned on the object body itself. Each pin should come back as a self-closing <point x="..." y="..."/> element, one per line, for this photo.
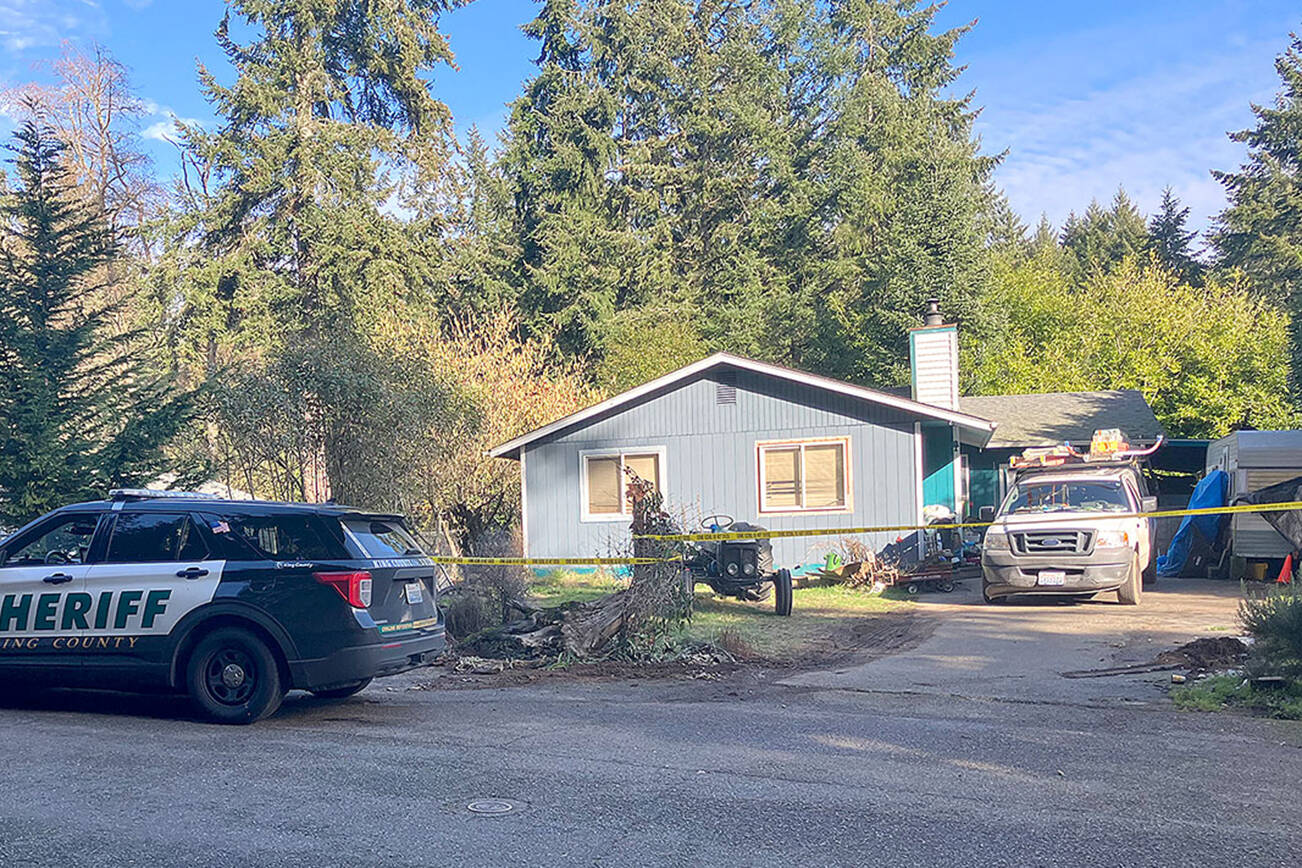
<point x="605" y="484"/>
<point x="806" y="475"/>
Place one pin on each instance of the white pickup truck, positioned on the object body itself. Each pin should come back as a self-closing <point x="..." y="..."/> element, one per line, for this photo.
<point x="1071" y="531"/>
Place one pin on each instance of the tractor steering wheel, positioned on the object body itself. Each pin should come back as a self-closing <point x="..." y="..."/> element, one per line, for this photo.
<point x="718" y="520"/>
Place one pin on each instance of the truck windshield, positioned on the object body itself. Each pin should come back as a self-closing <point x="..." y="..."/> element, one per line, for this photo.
<point x="1093" y="496"/>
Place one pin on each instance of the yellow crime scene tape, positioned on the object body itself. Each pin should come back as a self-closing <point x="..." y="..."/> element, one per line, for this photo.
<point x="551" y="562"/>
<point x="896" y="528"/>
<point x="840" y="531"/>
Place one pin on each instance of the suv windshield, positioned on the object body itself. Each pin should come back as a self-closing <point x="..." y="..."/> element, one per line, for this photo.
<point x="1092" y="496"/>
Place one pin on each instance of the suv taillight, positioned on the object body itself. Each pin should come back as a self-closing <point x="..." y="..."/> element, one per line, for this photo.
<point x="355" y="588"/>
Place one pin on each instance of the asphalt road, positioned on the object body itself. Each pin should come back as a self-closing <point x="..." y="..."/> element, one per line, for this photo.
<point x="742" y="772"/>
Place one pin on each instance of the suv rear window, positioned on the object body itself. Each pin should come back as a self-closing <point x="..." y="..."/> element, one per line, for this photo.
<point x="383" y="539"/>
<point x="282" y="537"/>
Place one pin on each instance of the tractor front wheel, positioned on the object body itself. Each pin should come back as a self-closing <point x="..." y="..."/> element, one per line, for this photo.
<point x="782" y="592"/>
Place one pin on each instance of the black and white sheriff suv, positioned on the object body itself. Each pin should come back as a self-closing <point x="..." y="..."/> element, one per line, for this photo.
<point x="232" y="602"/>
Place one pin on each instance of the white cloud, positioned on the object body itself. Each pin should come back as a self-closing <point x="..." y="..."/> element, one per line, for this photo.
<point x="164" y="129"/>
<point x="1088" y="111"/>
<point x="26" y="24"/>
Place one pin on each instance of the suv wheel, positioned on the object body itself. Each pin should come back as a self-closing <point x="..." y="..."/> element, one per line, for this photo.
<point x="985" y="594"/>
<point x="343" y="691"/>
<point x="233" y="677"/>
<point x="1130" y="593"/>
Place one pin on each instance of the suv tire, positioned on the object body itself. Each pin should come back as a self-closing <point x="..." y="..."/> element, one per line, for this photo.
<point x="1132" y="591"/>
<point x="343" y="691"/>
<point x="985" y="595"/>
<point x="234" y="677"/>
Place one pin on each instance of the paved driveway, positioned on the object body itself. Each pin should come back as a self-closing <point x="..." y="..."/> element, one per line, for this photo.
<point x="1019" y="650"/>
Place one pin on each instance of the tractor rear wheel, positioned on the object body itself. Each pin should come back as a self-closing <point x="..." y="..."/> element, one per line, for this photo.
<point x="782" y="592"/>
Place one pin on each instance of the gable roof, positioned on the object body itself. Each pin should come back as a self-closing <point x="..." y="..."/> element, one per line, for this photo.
<point x="1048" y="419"/>
<point x="980" y="429"/>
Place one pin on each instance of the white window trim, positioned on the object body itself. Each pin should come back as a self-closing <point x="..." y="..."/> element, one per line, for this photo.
<point x="585" y="454"/>
<point x="844" y="442"/>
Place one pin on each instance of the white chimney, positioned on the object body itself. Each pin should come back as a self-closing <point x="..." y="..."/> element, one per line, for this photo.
<point x="933" y="358"/>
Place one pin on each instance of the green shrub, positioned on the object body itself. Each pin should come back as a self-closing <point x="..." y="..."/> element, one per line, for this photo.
<point x="1222" y="691"/>
<point x="1274" y="620"/>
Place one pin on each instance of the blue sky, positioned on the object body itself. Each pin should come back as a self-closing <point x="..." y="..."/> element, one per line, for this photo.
<point x="1083" y="95"/>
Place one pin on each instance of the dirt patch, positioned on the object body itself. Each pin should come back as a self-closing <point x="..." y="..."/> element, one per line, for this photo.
<point x="1208" y="653"/>
<point x="859" y="641"/>
<point x="867" y="639"/>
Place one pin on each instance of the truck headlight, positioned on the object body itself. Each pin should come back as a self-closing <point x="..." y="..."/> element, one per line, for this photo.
<point x="731" y="569"/>
<point x="995" y="541"/>
<point x="1113" y="539"/>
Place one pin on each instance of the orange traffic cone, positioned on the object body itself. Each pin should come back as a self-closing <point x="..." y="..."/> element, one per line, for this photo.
<point x="1286" y="574"/>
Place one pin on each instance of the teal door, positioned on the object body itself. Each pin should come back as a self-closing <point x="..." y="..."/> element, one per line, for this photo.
<point x="938" y="465"/>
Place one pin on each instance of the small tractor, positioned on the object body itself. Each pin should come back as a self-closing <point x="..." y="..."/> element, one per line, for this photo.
<point x="741" y="568"/>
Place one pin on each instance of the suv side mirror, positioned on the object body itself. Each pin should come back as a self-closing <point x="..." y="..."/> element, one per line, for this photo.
<point x="987" y="513"/>
<point x="1148" y="504"/>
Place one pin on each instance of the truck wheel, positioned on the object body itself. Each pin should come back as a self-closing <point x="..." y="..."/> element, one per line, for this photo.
<point x="1130" y="593"/>
<point x="782" y="592"/>
<point x="233" y="677"/>
<point x="343" y="691"/>
<point x="985" y="594"/>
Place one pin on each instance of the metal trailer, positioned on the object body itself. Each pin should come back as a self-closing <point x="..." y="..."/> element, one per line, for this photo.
<point x="1255" y="460"/>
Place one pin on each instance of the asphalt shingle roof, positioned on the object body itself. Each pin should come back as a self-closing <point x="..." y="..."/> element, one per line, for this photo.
<point x="1048" y="419"/>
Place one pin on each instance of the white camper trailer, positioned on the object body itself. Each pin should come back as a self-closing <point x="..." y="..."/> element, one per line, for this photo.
<point x="1255" y="460"/>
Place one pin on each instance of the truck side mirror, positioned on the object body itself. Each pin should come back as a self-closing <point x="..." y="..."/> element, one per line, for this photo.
<point x="987" y="513"/>
<point x="1148" y="504"/>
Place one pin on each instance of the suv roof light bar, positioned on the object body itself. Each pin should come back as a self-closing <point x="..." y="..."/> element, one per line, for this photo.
<point x="154" y="493"/>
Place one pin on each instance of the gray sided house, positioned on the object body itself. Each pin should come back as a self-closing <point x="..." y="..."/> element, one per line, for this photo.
<point x="762" y="443"/>
<point x="794" y="451"/>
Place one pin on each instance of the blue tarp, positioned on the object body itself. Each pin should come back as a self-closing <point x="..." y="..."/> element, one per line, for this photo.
<point x="1211" y="492"/>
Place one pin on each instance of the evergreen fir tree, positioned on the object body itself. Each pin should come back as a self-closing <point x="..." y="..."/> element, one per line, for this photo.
<point x="1101" y="239"/>
<point x="1260" y="232"/>
<point x="79" y="411"/>
<point x="1171" y="241"/>
<point x="329" y="117"/>
<point x="1007" y="232"/>
<point x="793" y="177"/>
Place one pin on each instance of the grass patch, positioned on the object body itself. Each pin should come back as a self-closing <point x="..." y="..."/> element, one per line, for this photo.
<point x="821" y="618"/>
<point x="567" y="586"/>
<point x="818" y="616"/>
<point x="1220" y="692"/>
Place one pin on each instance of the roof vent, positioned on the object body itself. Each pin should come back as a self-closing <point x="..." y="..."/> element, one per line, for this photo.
<point x="725" y="389"/>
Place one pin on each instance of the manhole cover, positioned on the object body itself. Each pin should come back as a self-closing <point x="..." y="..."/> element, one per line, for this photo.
<point x="492" y="807"/>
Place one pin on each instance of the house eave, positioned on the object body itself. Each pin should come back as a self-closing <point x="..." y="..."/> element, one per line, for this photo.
<point x="972" y="429"/>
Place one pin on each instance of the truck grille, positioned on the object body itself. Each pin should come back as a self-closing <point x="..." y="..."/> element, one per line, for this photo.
<point x="1055" y="542"/>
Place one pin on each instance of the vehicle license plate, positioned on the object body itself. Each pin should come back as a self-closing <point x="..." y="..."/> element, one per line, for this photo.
<point x="416" y="594"/>
<point x="1052" y="577"/>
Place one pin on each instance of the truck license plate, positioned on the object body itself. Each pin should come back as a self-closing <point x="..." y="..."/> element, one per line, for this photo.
<point x="1052" y="577"/>
<point x="415" y="594"/>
